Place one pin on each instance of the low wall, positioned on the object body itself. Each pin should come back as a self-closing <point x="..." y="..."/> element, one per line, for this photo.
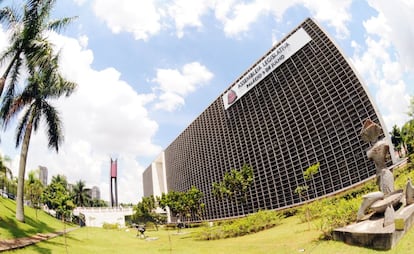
<point x="97" y="216"/>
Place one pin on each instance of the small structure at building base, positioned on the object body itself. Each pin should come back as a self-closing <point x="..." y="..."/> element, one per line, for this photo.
<point x="385" y="215"/>
<point x="98" y="216"/>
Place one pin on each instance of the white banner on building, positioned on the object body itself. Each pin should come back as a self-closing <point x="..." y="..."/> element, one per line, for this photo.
<point x="258" y="72"/>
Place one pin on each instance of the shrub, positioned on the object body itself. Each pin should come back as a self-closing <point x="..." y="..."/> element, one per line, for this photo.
<point x="232" y="228"/>
<point x="110" y="225"/>
<point x="337" y="213"/>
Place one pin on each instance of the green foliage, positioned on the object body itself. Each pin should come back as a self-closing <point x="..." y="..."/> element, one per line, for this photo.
<point x="337" y="213"/>
<point x="33" y="190"/>
<point x="183" y="204"/>
<point x="4" y="171"/>
<point x="110" y="226"/>
<point x="233" y="228"/>
<point x="235" y="184"/>
<point x="80" y="194"/>
<point x="311" y="171"/>
<point x="58" y="198"/>
<point x="301" y="190"/>
<point x="145" y="212"/>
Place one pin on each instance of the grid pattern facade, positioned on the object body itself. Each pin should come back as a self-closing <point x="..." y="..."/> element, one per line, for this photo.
<point x="310" y="109"/>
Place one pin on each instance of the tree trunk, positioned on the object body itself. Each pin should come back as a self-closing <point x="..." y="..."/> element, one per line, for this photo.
<point x="22" y="169"/>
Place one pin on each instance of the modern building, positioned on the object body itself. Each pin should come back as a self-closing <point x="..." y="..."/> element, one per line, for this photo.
<point x="300" y="104"/>
<point x="95" y="193"/>
<point x="43" y="175"/>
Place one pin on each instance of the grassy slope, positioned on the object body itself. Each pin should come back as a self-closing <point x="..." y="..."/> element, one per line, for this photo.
<point x="10" y="228"/>
<point x="291" y="236"/>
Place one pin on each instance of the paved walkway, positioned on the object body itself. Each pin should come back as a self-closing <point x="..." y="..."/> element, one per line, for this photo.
<point x="17" y="243"/>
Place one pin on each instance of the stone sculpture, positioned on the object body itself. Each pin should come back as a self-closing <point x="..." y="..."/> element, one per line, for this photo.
<point x="386" y="198"/>
<point x="409" y="193"/>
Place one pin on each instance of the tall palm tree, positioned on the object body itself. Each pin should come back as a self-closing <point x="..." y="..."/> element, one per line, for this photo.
<point x="42" y="86"/>
<point x="80" y="194"/>
<point x="29" y="48"/>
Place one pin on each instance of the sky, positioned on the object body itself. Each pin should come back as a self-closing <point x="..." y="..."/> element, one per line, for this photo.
<point x="146" y="69"/>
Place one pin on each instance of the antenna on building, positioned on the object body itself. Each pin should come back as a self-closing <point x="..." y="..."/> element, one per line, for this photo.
<point x="113" y="183"/>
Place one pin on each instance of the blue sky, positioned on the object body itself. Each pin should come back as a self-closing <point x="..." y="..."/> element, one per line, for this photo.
<point x="146" y="69"/>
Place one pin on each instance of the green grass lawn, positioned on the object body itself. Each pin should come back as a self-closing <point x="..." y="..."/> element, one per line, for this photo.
<point x="11" y="228"/>
<point x="291" y="236"/>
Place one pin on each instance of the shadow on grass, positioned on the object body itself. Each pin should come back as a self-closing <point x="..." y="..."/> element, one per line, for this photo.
<point x="12" y="227"/>
<point x="38" y="226"/>
<point x="41" y="250"/>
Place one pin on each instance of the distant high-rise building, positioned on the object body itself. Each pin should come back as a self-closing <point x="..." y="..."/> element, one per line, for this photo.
<point x="300" y="104"/>
<point x="43" y="175"/>
<point x="95" y="193"/>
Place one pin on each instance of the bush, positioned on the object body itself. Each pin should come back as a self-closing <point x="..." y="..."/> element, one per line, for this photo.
<point x="339" y="213"/>
<point x="250" y="224"/>
<point x="110" y="226"/>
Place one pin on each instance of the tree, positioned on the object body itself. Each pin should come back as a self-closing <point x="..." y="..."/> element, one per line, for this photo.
<point x="80" y="194"/>
<point x="407" y="135"/>
<point x="183" y="204"/>
<point x="235" y="185"/>
<point x="30" y="48"/>
<point x="33" y="190"/>
<point x="302" y="190"/>
<point x="193" y="202"/>
<point x="58" y="198"/>
<point x="174" y="201"/>
<point x="98" y="203"/>
<point x="4" y="170"/>
<point x="145" y="211"/>
<point x="396" y="139"/>
<point x="43" y="86"/>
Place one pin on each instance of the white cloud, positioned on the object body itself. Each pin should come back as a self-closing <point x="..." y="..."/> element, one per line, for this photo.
<point x="398" y="15"/>
<point x="241" y="17"/>
<point x="144" y="18"/>
<point x="105" y="117"/>
<point x="335" y="12"/>
<point x="141" y="18"/>
<point x="385" y="71"/>
<point x="187" y="13"/>
<point x="176" y="84"/>
<point x="83" y="41"/>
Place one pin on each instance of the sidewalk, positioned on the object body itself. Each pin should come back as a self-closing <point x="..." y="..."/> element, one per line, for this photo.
<point x="17" y="243"/>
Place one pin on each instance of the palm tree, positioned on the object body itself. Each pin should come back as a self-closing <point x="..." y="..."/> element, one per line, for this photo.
<point x="29" y="48"/>
<point x="80" y="194"/>
<point x="43" y="85"/>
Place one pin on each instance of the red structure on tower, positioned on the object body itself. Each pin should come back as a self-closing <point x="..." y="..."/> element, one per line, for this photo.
<point x="113" y="183"/>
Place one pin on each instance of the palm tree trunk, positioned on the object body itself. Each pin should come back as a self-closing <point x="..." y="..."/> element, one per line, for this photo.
<point x="22" y="169"/>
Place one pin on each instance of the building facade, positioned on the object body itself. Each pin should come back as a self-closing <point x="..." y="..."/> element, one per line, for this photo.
<point x="43" y="175"/>
<point x="300" y="104"/>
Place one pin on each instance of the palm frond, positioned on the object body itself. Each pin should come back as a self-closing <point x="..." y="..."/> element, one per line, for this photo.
<point x="54" y="126"/>
<point x="59" y="24"/>
<point x="9" y="16"/>
<point x="22" y="125"/>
